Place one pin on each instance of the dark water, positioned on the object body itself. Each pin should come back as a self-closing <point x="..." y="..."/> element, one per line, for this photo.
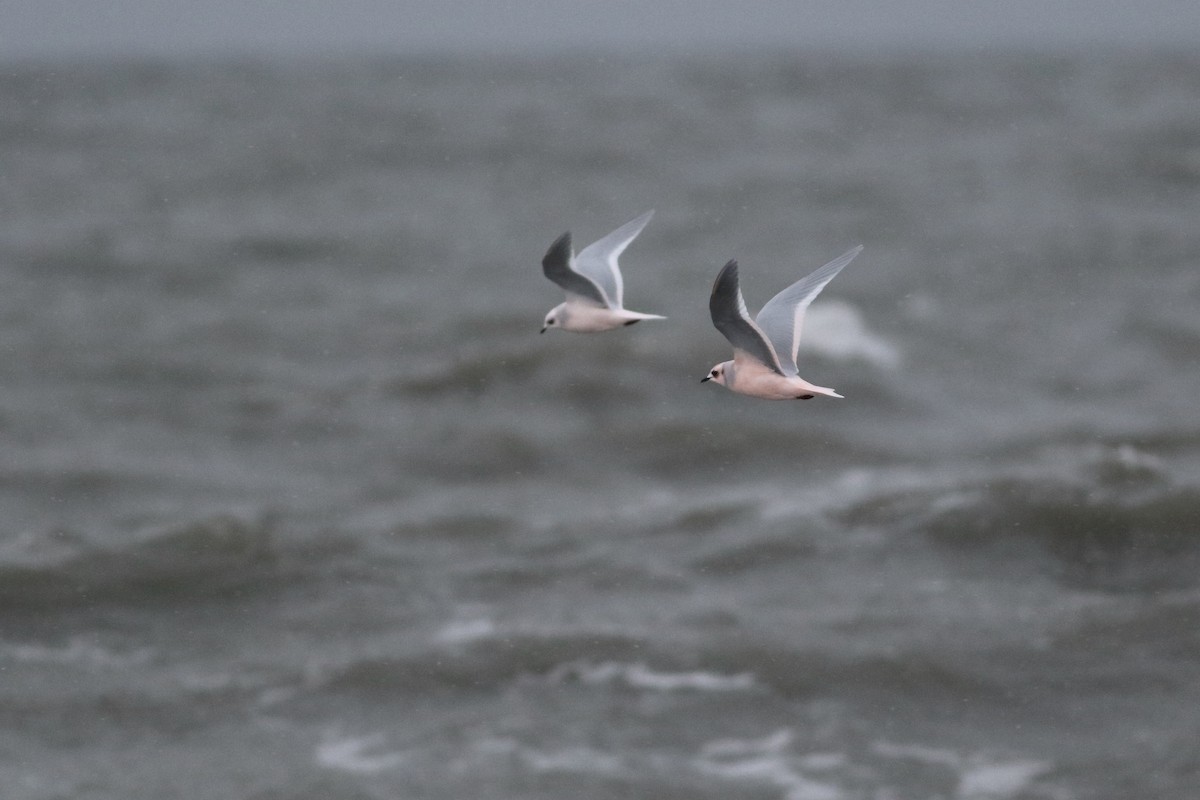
<point x="296" y="503"/>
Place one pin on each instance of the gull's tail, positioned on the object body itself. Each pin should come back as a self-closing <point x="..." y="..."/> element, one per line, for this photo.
<point x="630" y="317"/>
<point x="825" y="390"/>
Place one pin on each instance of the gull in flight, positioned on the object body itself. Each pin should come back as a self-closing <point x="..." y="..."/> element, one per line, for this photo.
<point x="764" y="348"/>
<point x="592" y="281"/>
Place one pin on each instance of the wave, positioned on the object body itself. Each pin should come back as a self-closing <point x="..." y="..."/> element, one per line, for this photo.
<point x="466" y="527"/>
<point x="977" y="776"/>
<point x="481" y="657"/>
<point x="575" y="760"/>
<point x="836" y="331"/>
<point x="1095" y="541"/>
<point x="472" y="373"/>
<point x="1146" y="647"/>
<point x="77" y="651"/>
<point x="1118" y="523"/>
<point x="920" y="676"/>
<point x="742" y="557"/>
<point x="764" y="761"/>
<point x="638" y="675"/>
<point x="361" y="755"/>
<point x="781" y="763"/>
<point x="208" y="556"/>
<point x="690" y="447"/>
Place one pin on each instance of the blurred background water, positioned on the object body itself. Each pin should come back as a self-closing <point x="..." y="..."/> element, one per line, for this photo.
<point x="298" y="504"/>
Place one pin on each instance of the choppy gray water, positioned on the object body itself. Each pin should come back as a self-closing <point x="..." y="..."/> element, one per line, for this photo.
<point x="296" y="503"/>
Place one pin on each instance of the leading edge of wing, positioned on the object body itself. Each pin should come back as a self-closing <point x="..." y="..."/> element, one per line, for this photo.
<point x="729" y="316"/>
<point x="782" y="318"/>
<point x="556" y="265"/>
<point x="598" y="260"/>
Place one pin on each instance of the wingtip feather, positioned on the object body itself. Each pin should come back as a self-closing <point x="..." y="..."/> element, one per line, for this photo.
<point x="559" y="252"/>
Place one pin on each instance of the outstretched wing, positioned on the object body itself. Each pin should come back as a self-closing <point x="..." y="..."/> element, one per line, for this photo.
<point x="556" y="264"/>
<point x="783" y="316"/>
<point x="598" y="261"/>
<point x="729" y="316"/>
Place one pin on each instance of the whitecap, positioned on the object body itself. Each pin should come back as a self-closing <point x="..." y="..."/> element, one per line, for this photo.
<point x="640" y="676"/>
<point x="836" y="330"/>
<point x="40" y="549"/>
<point x="1126" y="463"/>
<point x="350" y="754"/>
<point x="979" y="778"/>
<point x="772" y="770"/>
<point x="578" y="759"/>
<point x="466" y="631"/>
<point x="775" y="742"/>
<point x="764" y="761"/>
<point x="999" y="781"/>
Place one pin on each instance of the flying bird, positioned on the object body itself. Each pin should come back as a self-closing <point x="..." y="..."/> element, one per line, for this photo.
<point x="592" y="281"/>
<point x="764" y="348"/>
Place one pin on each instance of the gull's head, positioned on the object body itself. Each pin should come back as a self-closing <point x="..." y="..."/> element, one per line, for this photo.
<point x="552" y="320"/>
<point x="716" y="374"/>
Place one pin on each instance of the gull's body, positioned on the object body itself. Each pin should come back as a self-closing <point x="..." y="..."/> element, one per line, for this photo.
<point x="764" y="348"/>
<point x="592" y="281"/>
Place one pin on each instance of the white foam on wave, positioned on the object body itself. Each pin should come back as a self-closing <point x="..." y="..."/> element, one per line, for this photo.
<point x="639" y="676"/>
<point x="351" y="754"/>
<point x="576" y="759"/>
<point x="763" y="761"/>
<point x="1126" y="462"/>
<point x="775" y="743"/>
<point x="979" y="777"/>
<point x="466" y="631"/>
<point x="836" y="330"/>
<point x="41" y="549"/>
<point x="772" y="763"/>
<point x="999" y="781"/>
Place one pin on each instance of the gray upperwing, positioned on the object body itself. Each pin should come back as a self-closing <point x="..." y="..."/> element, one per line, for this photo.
<point x="782" y="318"/>
<point x="598" y="260"/>
<point x="556" y="265"/>
<point x="729" y="316"/>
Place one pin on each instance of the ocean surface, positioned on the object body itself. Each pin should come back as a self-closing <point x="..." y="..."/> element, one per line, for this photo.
<point x="296" y="504"/>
